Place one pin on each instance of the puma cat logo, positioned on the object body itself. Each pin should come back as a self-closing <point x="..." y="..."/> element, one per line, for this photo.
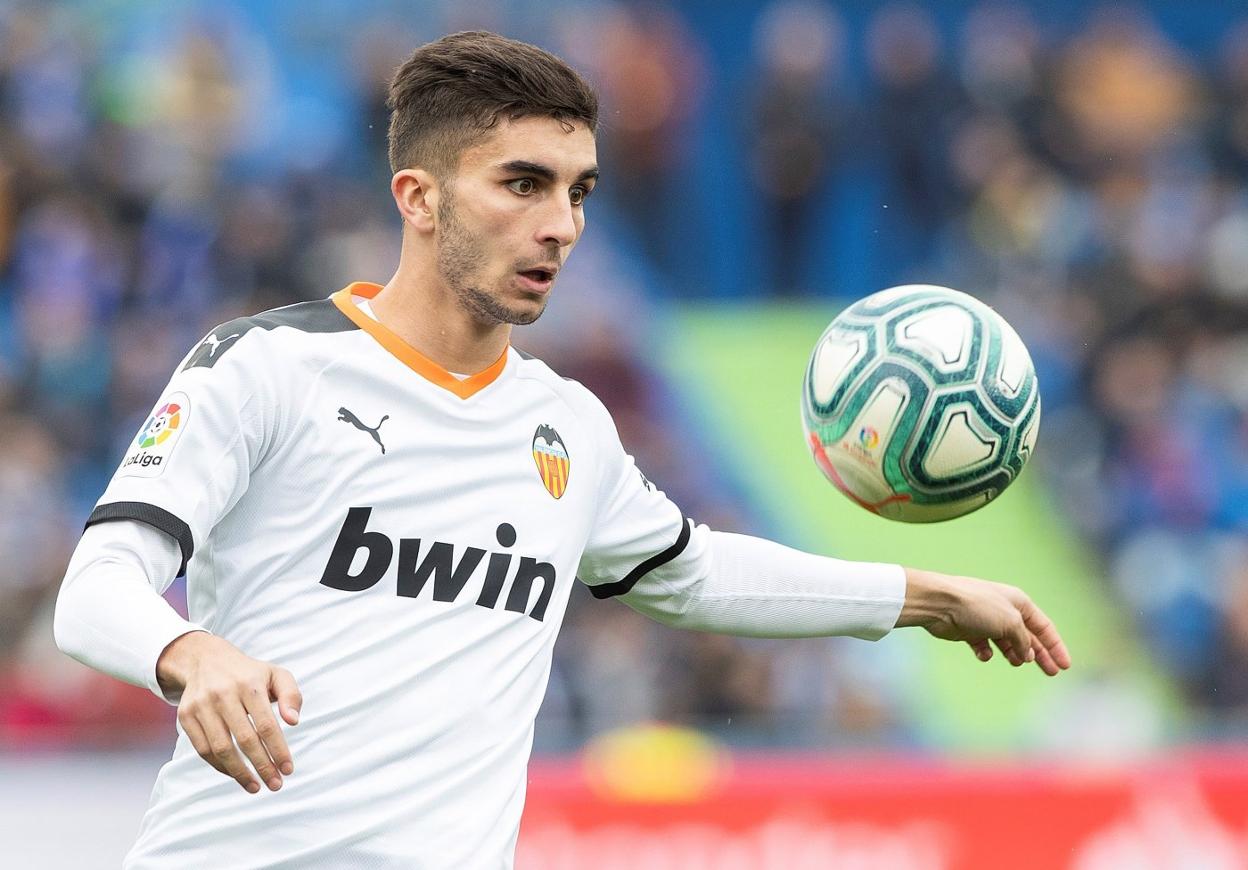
<point x="347" y="417"/>
<point x="217" y="342"/>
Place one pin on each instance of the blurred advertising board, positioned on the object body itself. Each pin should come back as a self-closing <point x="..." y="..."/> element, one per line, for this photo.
<point x="722" y="812"/>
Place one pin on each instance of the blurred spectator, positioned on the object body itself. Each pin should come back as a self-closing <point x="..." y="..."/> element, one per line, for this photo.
<point x="798" y="119"/>
<point x="1230" y="122"/>
<point x="649" y="70"/>
<point x="1124" y="90"/>
<point x="916" y="107"/>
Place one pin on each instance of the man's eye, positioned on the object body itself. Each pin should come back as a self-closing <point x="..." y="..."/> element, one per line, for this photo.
<point x="578" y="195"/>
<point x="522" y="186"/>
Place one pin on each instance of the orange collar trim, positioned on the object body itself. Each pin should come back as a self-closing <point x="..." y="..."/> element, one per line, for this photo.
<point x="408" y="355"/>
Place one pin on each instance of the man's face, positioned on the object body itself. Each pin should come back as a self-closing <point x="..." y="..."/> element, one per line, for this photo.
<point x="509" y="217"/>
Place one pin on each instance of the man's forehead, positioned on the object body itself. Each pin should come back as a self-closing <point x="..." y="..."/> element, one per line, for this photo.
<point x="567" y="147"/>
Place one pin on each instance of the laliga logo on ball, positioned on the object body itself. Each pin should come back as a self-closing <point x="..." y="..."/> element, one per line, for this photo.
<point x="868" y="438"/>
<point x="920" y="403"/>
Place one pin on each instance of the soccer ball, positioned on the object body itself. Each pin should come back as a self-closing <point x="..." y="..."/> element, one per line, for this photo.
<point x="920" y="403"/>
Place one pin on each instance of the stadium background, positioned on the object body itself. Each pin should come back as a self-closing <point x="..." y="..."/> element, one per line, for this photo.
<point x="1082" y="167"/>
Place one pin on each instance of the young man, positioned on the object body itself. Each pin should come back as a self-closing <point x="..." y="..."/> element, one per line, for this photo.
<point x="381" y="508"/>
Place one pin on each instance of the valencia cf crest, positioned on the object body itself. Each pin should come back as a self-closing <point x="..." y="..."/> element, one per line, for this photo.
<point x="553" y="463"/>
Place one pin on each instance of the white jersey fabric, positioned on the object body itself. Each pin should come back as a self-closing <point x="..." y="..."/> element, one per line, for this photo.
<point x="404" y="542"/>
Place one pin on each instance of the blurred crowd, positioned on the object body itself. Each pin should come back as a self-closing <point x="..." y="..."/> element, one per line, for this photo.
<point x="163" y="170"/>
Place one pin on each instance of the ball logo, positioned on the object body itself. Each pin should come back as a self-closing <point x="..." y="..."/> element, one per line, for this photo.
<point x="553" y="463"/>
<point x="868" y="438"/>
<point x="161" y="425"/>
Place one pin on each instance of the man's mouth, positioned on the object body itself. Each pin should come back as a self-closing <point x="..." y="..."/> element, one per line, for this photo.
<point x="538" y="279"/>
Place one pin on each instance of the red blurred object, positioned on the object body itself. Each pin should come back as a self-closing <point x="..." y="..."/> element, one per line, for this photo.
<point x="801" y="813"/>
<point x="95" y="712"/>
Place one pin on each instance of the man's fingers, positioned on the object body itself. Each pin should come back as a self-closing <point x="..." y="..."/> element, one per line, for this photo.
<point x="1044" y="660"/>
<point x="982" y="649"/>
<point x="284" y="690"/>
<point x="1006" y="645"/>
<point x="248" y="740"/>
<point x="261" y="712"/>
<point x="195" y="734"/>
<point x="1019" y="638"/>
<point x="1046" y="633"/>
<point x="222" y="754"/>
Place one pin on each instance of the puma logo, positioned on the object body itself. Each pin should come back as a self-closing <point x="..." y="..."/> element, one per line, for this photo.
<point x="347" y="417"/>
<point x="217" y="342"/>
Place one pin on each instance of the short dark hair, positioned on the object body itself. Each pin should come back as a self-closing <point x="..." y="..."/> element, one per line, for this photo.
<point x="454" y="89"/>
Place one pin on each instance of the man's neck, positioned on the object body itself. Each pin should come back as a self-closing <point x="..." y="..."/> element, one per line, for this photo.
<point x="427" y="316"/>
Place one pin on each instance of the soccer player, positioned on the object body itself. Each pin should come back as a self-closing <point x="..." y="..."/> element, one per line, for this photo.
<point x="381" y="508"/>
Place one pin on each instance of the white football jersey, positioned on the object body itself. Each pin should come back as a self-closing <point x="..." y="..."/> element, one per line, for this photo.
<point x="404" y="543"/>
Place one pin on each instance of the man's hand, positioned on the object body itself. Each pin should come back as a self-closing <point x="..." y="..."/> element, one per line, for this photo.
<point x="226" y="699"/>
<point x="980" y="612"/>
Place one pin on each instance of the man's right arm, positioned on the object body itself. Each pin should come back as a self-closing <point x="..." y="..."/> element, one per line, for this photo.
<point x="110" y="616"/>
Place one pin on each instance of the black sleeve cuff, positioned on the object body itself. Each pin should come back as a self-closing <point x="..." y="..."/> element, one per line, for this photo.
<point x="157" y="518"/>
<point x="620" y="587"/>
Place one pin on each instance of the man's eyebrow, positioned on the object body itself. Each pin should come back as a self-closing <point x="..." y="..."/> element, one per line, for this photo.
<point x="528" y="167"/>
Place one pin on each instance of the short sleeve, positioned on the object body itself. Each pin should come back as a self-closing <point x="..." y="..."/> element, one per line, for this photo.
<point x="192" y="458"/>
<point x="637" y="529"/>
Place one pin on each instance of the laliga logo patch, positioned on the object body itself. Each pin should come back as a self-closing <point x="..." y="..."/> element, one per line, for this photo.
<point x="157" y="438"/>
<point x="553" y="463"/>
<point x="162" y="425"/>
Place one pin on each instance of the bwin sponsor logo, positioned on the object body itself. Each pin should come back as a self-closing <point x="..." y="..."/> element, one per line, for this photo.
<point x="142" y="459"/>
<point x="449" y="575"/>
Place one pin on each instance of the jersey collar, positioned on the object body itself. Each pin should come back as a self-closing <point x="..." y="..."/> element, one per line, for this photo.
<point x="409" y="355"/>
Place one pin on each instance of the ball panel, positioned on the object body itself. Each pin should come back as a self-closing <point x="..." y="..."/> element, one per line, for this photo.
<point x="941" y="335"/>
<point x="857" y="478"/>
<point x="959" y="446"/>
<point x="1030" y="434"/>
<point x="1009" y="380"/>
<point x="955" y="484"/>
<point x="933" y="331"/>
<point x="826" y="388"/>
<point x="1014" y="367"/>
<point x="834" y="358"/>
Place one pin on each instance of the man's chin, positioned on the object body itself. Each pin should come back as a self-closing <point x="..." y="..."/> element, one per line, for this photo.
<point x="489" y="309"/>
<point x="524" y="315"/>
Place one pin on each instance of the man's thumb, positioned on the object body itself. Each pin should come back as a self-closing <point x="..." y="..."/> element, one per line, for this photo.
<point x="286" y="692"/>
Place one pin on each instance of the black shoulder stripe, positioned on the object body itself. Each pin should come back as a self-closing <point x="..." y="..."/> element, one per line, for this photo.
<point x="320" y="315"/>
<point x="157" y="518"/>
<point x="524" y="354"/>
<point x="620" y="587"/>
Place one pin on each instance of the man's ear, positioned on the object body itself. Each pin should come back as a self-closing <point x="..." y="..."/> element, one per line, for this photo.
<point x="416" y="195"/>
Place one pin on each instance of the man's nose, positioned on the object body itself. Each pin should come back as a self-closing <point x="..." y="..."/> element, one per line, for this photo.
<point x="558" y="225"/>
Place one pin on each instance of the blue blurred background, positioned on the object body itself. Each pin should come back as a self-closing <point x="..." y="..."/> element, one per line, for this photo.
<point x="1082" y="167"/>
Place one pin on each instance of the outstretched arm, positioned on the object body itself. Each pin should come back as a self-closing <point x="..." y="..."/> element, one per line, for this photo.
<point x="742" y="585"/>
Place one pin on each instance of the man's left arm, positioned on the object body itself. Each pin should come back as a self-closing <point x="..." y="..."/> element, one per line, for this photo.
<point x="742" y="585"/>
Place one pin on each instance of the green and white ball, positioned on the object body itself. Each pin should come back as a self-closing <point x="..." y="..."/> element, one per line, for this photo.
<point x="920" y="403"/>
